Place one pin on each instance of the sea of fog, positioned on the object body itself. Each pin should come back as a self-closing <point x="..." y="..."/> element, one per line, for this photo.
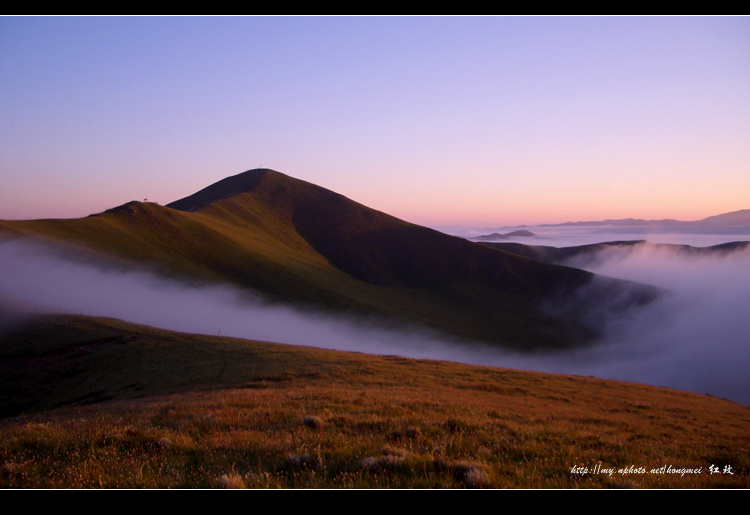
<point x="695" y="339"/>
<point x="571" y="236"/>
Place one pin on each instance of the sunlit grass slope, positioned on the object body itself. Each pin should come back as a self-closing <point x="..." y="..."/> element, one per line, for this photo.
<point x="297" y="242"/>
<point x="141" y="407"/>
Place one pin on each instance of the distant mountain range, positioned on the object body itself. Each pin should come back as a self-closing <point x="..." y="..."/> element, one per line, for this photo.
<point x="299" y="243"/>
<point x="733" y="220"/>
<point x="729" y="223"/>
<point x="733" y="223"/>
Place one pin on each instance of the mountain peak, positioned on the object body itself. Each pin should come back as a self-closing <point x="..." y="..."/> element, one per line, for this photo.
<point x="227" y="188"/>
<point x="296" y="241"/>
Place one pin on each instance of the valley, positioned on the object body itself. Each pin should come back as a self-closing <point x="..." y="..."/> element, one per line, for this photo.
<point x="98" y="401"/>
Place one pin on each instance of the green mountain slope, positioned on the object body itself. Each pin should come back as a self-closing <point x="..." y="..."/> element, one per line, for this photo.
<point x="297" y="242"/>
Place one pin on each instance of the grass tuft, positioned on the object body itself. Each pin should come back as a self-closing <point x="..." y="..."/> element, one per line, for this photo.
<point x="232" y="480"/>
<point x="473" y="475"/>
<point x="388" y="462"/>
<point x="313" y="422"/>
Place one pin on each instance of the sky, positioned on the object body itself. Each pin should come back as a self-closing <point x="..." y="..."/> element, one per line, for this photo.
<point x="437" y="120"/>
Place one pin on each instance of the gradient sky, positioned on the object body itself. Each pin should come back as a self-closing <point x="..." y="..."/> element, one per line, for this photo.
<point x="438" y="120"/>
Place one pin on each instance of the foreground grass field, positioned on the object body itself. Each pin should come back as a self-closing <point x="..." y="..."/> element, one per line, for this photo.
<point x="98" y="403"/>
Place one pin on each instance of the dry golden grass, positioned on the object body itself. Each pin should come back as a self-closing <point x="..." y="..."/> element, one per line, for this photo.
<point x="309" y="418"/>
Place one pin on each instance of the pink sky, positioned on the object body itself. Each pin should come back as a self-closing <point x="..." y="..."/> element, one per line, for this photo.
<point x="437" y="120"/>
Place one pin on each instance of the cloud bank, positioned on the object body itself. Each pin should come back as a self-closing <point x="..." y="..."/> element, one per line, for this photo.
<point x="695" y="339"/>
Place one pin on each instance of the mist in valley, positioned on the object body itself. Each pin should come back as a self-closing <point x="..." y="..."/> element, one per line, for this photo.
<point x="696" y="338"/>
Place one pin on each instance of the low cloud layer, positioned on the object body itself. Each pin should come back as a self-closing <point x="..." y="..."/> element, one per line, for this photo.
<point x="695" y="339"/>
<point x="42" y="279"/>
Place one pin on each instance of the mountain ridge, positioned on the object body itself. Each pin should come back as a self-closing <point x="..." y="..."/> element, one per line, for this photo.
<point x="355" y="238"/>
<point x="300" y="243"/>
<point x="731" y="221"/>
<point x="740" y="217"/>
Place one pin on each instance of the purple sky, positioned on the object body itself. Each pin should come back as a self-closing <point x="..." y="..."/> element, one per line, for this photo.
<point x="437" y="120"/>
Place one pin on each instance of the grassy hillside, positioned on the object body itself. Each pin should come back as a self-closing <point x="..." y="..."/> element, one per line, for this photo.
<point x="111" y="404"/>
<point x="300" y="243"/>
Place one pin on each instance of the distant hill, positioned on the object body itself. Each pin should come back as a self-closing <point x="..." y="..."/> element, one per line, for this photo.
<point x="734" y="220"/>
<point x="522" y="233"/>
<point x="299" y="243"/>
<point x="581" y="252"/>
